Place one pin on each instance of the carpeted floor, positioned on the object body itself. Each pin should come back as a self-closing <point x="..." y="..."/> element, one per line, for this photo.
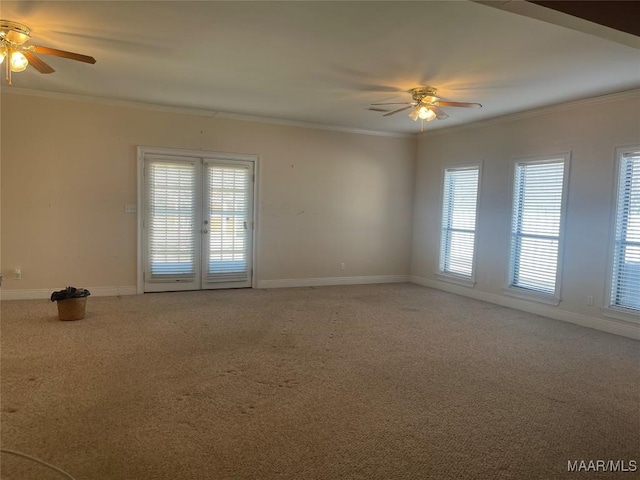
<point x="351" y="382"/>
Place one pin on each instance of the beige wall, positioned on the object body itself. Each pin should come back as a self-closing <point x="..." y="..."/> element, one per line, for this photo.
<point x="69" y="167"/>
<point x="325" y="197"/>
<point x="591" y="132"/>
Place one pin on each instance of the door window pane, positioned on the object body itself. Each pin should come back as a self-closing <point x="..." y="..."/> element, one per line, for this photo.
<point x="171" y="218"/>
<point x="228" y="190"/>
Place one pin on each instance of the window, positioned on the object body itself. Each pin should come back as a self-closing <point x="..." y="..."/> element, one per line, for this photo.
<point x="625" y="279"/>
<point x="457" y="244"/>
<point x="539" y="193"/>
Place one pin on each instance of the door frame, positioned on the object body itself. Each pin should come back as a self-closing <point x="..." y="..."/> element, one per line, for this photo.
<point x="197" y="154"/>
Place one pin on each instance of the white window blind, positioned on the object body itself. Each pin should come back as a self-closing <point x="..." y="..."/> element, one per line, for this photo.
<point x="229" y="190"/>
<point x="535" y="226"/>
<point x="458" y="233"/>
<point x="170" y="189"/>
<point x="625" y="289"/>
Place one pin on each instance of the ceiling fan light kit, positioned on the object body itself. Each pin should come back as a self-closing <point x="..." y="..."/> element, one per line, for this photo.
<point x="422" y="112"/>
<point x="13" y="37"/>
<point x="425" y="105"/>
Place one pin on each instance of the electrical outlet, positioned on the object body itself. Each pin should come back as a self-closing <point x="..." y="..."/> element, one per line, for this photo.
<point x="343" y="266"/>
<point x="17" y="274"/>
<point x="590" y="300"/>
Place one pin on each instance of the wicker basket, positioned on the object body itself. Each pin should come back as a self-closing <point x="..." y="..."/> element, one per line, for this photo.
<point x="72" y="308"/>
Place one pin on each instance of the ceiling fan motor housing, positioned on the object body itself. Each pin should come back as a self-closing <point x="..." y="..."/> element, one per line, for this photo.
<point x="14" y="32"/>
<point x="427" y="95"/>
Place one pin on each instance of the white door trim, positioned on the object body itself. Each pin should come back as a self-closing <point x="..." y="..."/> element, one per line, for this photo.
<point x="200" y="154"/>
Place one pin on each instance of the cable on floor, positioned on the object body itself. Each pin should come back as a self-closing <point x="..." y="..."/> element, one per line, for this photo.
<point x="33" y="459"/>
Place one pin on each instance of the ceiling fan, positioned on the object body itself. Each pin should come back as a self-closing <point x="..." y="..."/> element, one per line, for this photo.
<point x="426" y="105"/>
<point x="13" y="39"/>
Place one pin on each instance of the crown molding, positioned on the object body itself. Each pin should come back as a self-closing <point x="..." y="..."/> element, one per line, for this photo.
<point x="316" y="126"/>
<point x="608" y="98"/>
<point x="536" y="112"/>
<point x="197" y="112"/>
<point x="107" y="101"/>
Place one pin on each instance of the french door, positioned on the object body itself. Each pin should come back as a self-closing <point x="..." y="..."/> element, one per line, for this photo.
<point x="197" y="222"/>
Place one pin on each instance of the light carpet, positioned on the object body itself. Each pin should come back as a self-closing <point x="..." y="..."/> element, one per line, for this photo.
<point x="352" y="382"/>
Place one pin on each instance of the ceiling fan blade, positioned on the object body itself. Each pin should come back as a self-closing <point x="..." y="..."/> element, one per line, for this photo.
<point x="393" y="103"/>
<point x="460" y="104"/>
<point x="37" y="63"/>
<point x="440" y="115"/>
<point x="64" y="54"/>
<point x="374" y="109"/>
<point x="399" y="110"/>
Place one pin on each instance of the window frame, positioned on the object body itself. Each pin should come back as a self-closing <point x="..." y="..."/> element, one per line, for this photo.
<point x="521" y="292"/>
<point x="611" y="310"/>
<point x="451" y="277"/>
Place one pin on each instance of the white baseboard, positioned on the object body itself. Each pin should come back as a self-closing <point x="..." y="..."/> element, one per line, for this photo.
<point x="35" y="294"/>
<point x="617" y="327"/>
<point x="326" y="281"/>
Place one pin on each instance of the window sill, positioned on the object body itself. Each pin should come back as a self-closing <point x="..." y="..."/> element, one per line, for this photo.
<point x="532" y="296"/>
<point x="455" y="279"/>
<point x="621" y="314"/>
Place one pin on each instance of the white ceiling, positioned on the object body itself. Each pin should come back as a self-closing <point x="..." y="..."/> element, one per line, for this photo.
<point x="320" y="62"/>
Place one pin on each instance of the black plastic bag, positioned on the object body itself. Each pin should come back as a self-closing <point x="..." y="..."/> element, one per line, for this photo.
<point x="70" y="292"/>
